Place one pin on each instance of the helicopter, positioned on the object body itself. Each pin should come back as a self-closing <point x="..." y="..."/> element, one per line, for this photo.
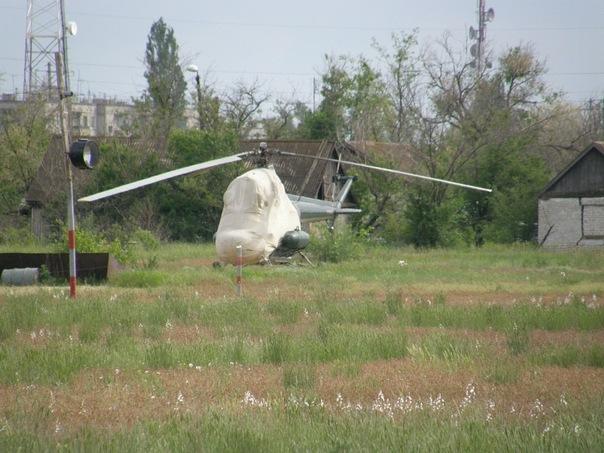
<point x="260" y="223"/>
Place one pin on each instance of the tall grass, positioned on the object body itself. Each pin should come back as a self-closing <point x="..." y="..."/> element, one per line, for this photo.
<point x="571" y="316"/>
<point x="308" y="326"/>
<point x="315" y="430"/>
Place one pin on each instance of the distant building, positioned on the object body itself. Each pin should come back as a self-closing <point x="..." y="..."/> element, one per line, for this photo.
<point x="571" y="207"/>
<point x="96" y="117"/>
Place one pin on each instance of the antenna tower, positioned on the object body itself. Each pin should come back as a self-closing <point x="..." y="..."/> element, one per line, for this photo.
<point x="45" y="35"/>
<point x="478" y="49"/>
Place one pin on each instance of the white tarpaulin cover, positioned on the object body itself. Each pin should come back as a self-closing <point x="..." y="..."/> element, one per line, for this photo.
<point x="256" y="215"/>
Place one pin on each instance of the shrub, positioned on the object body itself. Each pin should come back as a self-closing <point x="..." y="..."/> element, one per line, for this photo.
<point x="335" y="245"/>
<point x="12" y="236"/>
<point x="90" y="241"/>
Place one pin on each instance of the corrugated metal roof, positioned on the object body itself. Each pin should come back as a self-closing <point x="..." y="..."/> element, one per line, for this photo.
<point x="300" y="176"/>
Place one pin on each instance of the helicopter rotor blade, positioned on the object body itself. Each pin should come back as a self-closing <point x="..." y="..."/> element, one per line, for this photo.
<point x="167" y="175"/>
<point x="387" y="170"/>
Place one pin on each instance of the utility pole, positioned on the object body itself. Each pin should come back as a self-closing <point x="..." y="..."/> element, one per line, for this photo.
<point x="314" y="93"/>
<point x="64" y="95"/>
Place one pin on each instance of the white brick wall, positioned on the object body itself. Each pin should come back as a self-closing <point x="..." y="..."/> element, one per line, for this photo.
<point x="562" y="218"/>
<point x="593" y="217"/>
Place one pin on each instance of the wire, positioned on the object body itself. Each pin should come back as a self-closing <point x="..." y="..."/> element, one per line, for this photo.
<point x="319" y="27"/>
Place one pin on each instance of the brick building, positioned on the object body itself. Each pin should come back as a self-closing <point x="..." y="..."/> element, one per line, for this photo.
<point x="571" y="207"/>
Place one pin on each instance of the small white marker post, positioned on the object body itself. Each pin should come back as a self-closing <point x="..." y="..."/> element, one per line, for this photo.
<point x="239" y="269"/>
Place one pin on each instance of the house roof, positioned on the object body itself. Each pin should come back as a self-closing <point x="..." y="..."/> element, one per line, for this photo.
<point x="51" y="174"/>
<point x="305" y="176"/>
<point x="300" y="176"/>
<point x="582" y="177"/>
<point x="51" y="177"/>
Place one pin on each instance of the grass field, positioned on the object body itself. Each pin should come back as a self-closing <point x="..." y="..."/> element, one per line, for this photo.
<point x="495" y="349"/>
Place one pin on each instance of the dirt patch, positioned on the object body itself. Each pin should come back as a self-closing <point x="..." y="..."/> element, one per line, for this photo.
<point x="113" y="399"/>
<point x="185" y="334"/>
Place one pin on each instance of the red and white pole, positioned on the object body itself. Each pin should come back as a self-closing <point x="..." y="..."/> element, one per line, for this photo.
<point x="71" y="240"/>
<point x="239" y="277"/>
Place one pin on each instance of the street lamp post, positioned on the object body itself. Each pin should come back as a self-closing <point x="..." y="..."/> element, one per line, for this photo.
<point x="193" y="68"/>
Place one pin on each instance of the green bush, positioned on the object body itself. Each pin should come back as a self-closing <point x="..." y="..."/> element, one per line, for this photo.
<point x="334" y="246"/>
<point x="90" y="241"/>
<point x="426" y="223"/>
<point x="12" y="236"/>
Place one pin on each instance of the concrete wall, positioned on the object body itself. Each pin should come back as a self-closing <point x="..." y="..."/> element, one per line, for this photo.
<point x="571" y="222"/>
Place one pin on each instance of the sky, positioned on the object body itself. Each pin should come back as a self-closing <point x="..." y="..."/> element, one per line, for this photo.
<point x="282" y="44"/>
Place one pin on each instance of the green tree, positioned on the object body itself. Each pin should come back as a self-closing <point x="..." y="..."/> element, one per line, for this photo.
<point x="402" y="84"/>
<point x="24" y="138"/>
<point x="191" y="206"/>
<point x="165" y="94"/>
<point x="122" y="163"/>
<point x="242" y="105"/>
<point x="186" y="208"/>
<point x="207" y="104"/>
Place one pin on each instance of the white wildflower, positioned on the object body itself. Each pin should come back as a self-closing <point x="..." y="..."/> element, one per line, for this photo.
<point x="537" y="409"/>
<point x="250" y="400"/>
<point x="339" y="400"/>
<point x="382" y="405"/>
<point x="469" y="397"/>
<point x="436" y="404"/>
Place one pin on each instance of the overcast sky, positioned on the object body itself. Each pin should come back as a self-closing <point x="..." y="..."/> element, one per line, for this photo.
<point x="282" y="43"/>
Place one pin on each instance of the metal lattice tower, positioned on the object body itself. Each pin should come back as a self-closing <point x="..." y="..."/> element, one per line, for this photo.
<point x="44" y="36"/>
<point x="478" y="50"/>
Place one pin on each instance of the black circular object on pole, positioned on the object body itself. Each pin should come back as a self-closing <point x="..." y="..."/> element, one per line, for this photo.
<point x="84" y="154"/>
